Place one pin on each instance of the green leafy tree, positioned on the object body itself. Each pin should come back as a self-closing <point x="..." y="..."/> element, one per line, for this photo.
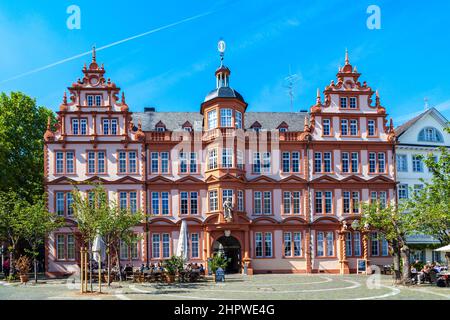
<point x="394" y="225"/>
<point x="431" y="205"/>
<point x="36" y="227"/>
<point x="22" y="126"/>
<point x="12" y="222"/>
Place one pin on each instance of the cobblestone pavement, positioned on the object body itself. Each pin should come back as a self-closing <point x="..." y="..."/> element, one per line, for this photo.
<point x="264" y="287"/>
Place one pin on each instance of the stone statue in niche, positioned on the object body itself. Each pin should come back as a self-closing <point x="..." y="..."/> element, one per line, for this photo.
<point x="227" y="210"/>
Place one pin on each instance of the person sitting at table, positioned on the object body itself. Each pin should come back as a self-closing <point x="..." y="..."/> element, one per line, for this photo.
<point x="141" y="269"/>
<point x="202" y="269"/>
<point x="413" y="273"/>
<point x="424" y="274"/>
<point x="195" y="266"/>
<point x="146" y="268"/>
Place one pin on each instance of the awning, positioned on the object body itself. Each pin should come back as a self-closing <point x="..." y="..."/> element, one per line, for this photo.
<point x="444" y="249"/>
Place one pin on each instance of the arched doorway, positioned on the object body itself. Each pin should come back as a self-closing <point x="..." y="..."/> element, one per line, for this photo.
<point x="231" y="248"/>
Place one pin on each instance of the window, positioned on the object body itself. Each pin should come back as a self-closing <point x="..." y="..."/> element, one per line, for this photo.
<point x="212" y="159"/>
<point x="355" y="201"/>
<point x="90" y="100"/>
<point x="282" y="129"/>
<point x="128" y="200"/>
<point x="265" y="163"/>
<point x="160" y="128"/>
<point x="156" y="239"/>
<point x="293" y="244"/>
<point x="195" y="252"/>
<point x="323" y="202"/>
<point x="354" y="127"/>
<point x="127" y="162"/>
<point x="263" y="244"/>
<point x="160" y="203"/>
<point x="65" y="246"/>
<point x="403" y="191"/>
<point x="344" y="127"/>
<point x="371" y="129"/>
<point x="213" y="201"/>
<point x="109" y="126"/>
<point x="343" y="101"/>
<point x="159" y="162"/>
<point x="98" y="100"/>
<point x="353" y="104"/>
<point x="291" y="202"/>
<point x="430" y="134"/>
<point x="384" y="246"/>
<point x="348" y="244"/>
<point x="160" y="250"/>
<point x="346" y="201"/>
<point x="184" y="202"/>
<point x="240" y="197"/>
<point x="225" y="117"/>
<point x="325" y="244"/>
<point x="127" y="252"/>
<point x="227" y="194"/>
<point x="355" y="162"/>
<point x="417" y="163"/>
<point x="326" y="127"/>
<point x="212" y="119"/>
<point x="256" y="163"/>
<point x="63" y="203"/>
<point x="345" y="162"/>
<point x="357" y="243"/>
<point x="350" y="202"/>
<point x="286" y="161"/>
<point x="79" y="126"/>
<point x="238" y="120"/>
<point x="295" y="161"/>
<point x="377" y="162"/>
<point x="262" y="202"/>
<point x="227" y="158"/>
<point x="188" y="202"/>
<point x="322" y="166"/>
<point x="65" y="162"/>
<point x="188" y="162"/>
<point x="240" y="159"/>
<point x="96" y="162"/>
<point x="402" y="163"/>
<point x="374" y="243"/>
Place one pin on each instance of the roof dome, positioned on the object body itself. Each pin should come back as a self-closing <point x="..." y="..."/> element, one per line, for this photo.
<point x="224" y="92"/>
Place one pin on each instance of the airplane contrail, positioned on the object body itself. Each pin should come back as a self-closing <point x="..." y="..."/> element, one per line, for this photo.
<point x="107" y="46"/>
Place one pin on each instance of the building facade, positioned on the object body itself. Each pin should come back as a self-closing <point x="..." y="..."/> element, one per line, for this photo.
<point x="417" y="138"/>
<point x="294" y="181"/>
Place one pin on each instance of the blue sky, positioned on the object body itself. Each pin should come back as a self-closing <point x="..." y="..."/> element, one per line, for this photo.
<point x="173" y="69"/>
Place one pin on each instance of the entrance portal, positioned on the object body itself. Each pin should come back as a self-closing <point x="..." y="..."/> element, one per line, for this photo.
<point x="231" y="249"/>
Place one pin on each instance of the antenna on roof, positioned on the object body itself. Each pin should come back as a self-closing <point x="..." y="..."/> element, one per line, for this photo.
<point x="427" y="106"/>
<point x="290" y="80"/>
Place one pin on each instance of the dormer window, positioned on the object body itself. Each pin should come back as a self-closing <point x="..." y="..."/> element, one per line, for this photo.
<point x="430" y="134"/>
<point x="187" y="126"/>
<point x="188" y="129"/>
<point x="160" y="126"/>
<point x="283" y="127"/>
<point x="225" y="117"/>
<point x="160" y="129"/>
<point x="256" y="126"/>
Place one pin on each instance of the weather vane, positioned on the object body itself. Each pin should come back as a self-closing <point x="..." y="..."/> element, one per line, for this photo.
<point x="290" y="80"/>
<point x="221" y="48"/>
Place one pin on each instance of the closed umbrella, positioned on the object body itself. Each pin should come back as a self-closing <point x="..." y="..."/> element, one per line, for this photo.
<point x="444" y="249"/>
<point x="98" y="249"/>
<point x="182" y="248"/>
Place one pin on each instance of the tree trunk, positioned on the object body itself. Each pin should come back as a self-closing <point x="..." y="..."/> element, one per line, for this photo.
<point x="90" y="266"/>
<point x="406" y="276"/>
<point x="109" y="266"/>
<point x="35" y="270"/>
<point x="396" y="260"/>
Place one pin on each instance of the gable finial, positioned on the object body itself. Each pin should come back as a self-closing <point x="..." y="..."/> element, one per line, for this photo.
<point x="94" y="54"/>
<point x="318" y="96"/>
<point x="426" y="105"/>
<point x="347" y="61"/>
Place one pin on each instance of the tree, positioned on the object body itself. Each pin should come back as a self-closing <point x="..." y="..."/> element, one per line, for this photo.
<point x="36" y="227"/>
<point x="431" y="205"/>
<point x="395" y="225"/>
<point x="22" y="126"/>
<point x="12" y="222"/>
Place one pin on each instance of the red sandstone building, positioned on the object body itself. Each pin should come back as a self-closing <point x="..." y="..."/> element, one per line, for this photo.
<point x="295" y="180"/>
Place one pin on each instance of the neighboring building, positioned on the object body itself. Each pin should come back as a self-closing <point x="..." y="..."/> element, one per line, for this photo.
<point x="420" y="136"/>
<point x="295" y="180"/>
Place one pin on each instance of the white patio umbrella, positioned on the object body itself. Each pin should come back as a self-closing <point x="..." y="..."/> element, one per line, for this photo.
<point x="444" y="248"/>
<point x="98" y="249"/>
<point x="182" y="248"/>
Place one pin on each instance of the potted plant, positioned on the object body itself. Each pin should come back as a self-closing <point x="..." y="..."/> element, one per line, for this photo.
<point x="217" y="261"/>
<point x="173" y="266"/>
<point x="23" y="266"/>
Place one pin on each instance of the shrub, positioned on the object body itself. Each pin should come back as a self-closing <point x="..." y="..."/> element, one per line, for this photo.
<point x="23" y="265"/>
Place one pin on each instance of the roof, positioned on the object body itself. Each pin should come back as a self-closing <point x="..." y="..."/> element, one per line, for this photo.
<point x="223" y="92"/>
<point x="408" y="124"/>
<point x="175" y="120"/>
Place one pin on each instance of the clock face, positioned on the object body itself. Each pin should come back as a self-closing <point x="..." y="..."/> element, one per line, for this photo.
<point x="93" y="81"/>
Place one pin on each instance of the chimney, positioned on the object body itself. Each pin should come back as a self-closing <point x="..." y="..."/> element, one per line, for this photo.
<point x="149" y="109"/>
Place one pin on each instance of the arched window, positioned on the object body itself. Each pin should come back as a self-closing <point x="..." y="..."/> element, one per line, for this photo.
<point x="430" y="134"/>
